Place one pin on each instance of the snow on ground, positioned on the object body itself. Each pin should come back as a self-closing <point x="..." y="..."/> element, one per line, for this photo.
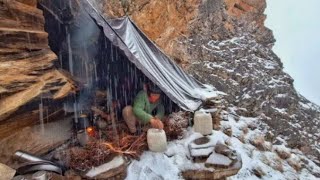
<point x="166" y="165"/>
<point x="306" y="106"/>
<point x="281" y="95"/>
<point x="176" y="159"/>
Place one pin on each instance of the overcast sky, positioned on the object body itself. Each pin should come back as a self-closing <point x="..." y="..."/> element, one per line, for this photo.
<point x="296" y="27"/>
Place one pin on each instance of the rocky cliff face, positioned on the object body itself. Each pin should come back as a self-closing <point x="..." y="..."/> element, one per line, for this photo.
<point x="170" y="22"/>
<point x="26" y="61"/>
<point x="225" y="43"/>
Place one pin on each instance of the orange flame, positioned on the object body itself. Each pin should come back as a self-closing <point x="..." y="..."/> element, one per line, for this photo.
<point x="90" y="131"/>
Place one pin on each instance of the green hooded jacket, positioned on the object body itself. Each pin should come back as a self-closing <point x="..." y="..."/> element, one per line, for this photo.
<point x="143" y="109"/>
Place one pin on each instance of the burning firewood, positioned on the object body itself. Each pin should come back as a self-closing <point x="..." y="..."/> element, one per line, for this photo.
<point x="132" y="146"/>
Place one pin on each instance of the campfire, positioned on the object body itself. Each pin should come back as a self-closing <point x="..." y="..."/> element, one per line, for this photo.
<point x="101" y="147"/>
<point x="99" y="152"/>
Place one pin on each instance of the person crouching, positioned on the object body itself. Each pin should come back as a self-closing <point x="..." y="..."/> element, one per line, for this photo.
<point x="147" y="109"/>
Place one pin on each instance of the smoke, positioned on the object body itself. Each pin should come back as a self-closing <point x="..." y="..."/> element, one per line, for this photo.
<point x="82" y="45"/>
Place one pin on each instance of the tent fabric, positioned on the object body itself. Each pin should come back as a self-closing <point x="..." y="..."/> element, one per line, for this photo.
<point x="181" y="88"/>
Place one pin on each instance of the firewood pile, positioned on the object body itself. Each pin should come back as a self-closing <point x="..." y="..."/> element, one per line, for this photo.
<point x="98" y="152"/>
<point x="175" y="124"/>
<point x="94" y="154"/>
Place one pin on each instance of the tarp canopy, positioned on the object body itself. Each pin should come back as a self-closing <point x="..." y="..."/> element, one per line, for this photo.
<point x="181" y="88"/>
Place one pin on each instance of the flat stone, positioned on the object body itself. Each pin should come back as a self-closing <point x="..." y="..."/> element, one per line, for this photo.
<point x="6" y="172"/>
<point x="225" y="150"/>
<point x="218" y="160"/>
<point x="202" y="152"/>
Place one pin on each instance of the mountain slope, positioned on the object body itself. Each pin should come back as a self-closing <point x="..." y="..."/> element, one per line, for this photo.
<point x="225" y="43"/>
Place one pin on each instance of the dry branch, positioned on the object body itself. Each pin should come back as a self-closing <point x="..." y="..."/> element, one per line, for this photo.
<point x="100" y="152"/>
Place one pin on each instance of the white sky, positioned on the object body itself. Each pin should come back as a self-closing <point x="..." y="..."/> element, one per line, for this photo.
<point x="296" y="27"/>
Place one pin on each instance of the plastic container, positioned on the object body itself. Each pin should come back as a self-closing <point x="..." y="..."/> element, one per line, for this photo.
<point x="157" y="140"/>
<point x="203" y="123"/>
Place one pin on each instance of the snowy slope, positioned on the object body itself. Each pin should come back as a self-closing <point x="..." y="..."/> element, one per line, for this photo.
<point x="176" y="159"/>
<point x="252" y="76"/>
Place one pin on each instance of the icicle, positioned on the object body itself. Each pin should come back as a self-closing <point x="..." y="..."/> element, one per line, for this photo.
<point x="95" y="72"/>
<point x="109" y="98"/>
<point x="170" y="106"/>
<point x="65" y="108"/>
<point x="115" y="91"/>
<point x="75" y="112"/>
<point x="128" y="67"/>
<point x="87" y="73"/>
<point x="111" y="54"/>
<point x="60" y="58"/>
<point x="41" y="117"/>
<point x="125" y="97"/>
<point x="70" y="5"/>
<point x="86" y="64"/>
<point x="69" y="51"/>
<point x="132" y="75"/>
<point x="116" y="54"/>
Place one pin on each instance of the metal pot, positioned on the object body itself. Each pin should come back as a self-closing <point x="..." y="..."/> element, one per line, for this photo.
<point x="83" y="137"/>
<point x="26" y="157"/>
<point x="82" y="122"/>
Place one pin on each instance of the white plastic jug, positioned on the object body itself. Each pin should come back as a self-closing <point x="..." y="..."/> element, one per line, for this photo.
<point x="203" y="123"/>
<point x="157" y="140"/>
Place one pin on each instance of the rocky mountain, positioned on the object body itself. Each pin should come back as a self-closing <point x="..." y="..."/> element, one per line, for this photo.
<point x="225" y="43"/>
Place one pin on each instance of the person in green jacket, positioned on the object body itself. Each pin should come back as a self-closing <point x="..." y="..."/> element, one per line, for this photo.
<point x="147" y="109"/>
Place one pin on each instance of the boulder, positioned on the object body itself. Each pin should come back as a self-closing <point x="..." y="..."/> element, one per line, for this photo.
<point x="258" y="142"/>
<point x="228" y="131"/>
<point x="283" y="152"/>
<point x="295" y="162"/>
<point x="258" y="171"/>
